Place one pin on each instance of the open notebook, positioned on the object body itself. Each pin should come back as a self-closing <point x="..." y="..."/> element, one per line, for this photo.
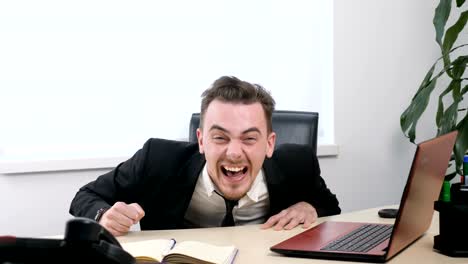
<point x="169" y="251"/>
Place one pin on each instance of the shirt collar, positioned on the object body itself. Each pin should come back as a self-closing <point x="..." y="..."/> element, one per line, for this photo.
<point x="207" y="183"/>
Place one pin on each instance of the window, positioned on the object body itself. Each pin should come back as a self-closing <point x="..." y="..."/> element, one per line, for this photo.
<point x="96" y="79"/>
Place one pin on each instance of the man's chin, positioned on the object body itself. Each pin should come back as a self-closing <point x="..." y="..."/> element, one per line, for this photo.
<point x="233" y="197"/>
<point x="231" y="194"/>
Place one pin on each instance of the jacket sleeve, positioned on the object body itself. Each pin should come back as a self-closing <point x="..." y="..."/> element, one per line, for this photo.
<point x="300" y="166"/>
<point x="120" y="184"/>
<point x="324" y="201"/>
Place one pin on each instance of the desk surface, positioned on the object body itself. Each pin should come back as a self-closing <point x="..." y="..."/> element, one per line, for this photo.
<point x="254" y="243"/>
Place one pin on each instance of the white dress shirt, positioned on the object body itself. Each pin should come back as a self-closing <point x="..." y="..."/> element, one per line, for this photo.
<point x="207" y="208"/>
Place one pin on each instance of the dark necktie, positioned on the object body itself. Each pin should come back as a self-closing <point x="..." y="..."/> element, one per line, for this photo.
<point x="228" y="219"/>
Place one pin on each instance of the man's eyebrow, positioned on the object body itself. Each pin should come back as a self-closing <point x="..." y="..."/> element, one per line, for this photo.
<point x="252" y="129"/>
<point x="217" y="127"/>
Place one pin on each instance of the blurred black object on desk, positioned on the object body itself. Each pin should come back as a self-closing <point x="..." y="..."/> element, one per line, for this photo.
<point x="453" y="219"/>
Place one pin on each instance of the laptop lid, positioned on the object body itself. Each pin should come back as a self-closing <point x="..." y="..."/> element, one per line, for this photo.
<point x="414" y="217"/>
<point x="422" y="189"/>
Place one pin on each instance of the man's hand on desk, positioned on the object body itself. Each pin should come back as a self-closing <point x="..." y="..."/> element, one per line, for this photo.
<point x="120" y="217"/>
<point x="300" y="213"/>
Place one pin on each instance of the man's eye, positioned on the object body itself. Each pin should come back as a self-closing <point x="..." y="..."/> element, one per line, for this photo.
<point x="219" y="138"/>
<point x="250" y="139"/>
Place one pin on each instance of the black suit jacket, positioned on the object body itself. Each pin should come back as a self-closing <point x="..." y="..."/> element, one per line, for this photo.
<point x="161" y="178"/>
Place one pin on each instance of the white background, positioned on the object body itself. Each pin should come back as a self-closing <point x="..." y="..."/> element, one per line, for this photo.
<point x="382" y="50"/>
<point x="94" y="79"/>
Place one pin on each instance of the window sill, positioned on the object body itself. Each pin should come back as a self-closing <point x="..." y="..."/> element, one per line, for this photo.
<point x="33" y="166"/>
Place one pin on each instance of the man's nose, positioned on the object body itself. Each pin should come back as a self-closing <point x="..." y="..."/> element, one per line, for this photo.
<point x="234" y="150"/>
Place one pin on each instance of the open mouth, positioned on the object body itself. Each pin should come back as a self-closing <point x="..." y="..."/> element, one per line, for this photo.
<point x="234" y="172"/>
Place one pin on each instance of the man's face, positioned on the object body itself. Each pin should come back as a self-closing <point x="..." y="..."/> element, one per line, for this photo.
<point x="235" y="142"/>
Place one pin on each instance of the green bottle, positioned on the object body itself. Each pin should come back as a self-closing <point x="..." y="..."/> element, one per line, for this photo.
<point x="445" y="193"/>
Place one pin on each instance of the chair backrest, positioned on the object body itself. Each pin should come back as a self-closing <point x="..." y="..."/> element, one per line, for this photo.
<point x="290" y="127"/>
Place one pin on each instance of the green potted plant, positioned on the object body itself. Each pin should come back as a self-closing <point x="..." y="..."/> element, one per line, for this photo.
<point x="451" y="67"/>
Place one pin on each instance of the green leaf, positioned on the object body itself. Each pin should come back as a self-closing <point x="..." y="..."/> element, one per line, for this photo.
<point x="456" y="95"/>
<point x="426" y="80"/>
<point x="405" y="122"/>
<point x="461" y="145"/>
<point x="460" y="2"/>
<point x="464" y="90"/>
<point x="412" y="114"/>
<point x="459" y="66"/>
<point x="440" y="111"/>
<point x="410" y="117"/>
<point x="452" y="33"/>
<point x="448" y="121"/>
<point x="440" y="107"/>
<point x="441" y="15"/>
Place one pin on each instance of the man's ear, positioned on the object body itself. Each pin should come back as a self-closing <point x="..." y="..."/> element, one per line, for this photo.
<point x="200" y="141"/>
<point x="271" y="141"/>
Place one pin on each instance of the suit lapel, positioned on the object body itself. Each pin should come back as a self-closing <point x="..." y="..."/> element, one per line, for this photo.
<point x="189" y="175"/>
<point x="192" y="169"/>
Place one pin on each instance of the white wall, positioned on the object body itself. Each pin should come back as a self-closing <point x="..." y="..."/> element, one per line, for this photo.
<point x="382" y="51"/>
<point x="83" y="68"/>
<point x="37" y="204"/>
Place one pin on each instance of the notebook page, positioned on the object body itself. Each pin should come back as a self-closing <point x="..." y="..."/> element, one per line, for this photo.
<point x="206" y="252"/>
<point x="156" y="248"/>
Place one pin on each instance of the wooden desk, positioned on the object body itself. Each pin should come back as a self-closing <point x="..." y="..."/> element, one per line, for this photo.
<point x="254" y="243"/>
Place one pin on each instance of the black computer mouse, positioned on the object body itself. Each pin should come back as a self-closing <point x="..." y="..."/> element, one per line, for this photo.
<point x="388" y="213"/>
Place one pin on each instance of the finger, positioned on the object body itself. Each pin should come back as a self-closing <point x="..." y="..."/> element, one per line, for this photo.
<point x="292" y="224"/>
<point x="273" y="220"/>
<point x="114" y="215"/>
<point x="107" y="221"/>
<point x="114" y="232"/>
<point x="270" y="222"/>
<point x="119" y="227"/>
<point x="107" y="224"/>
<point x="285" y="218"/>
<point x="127" y="211"/>
<point x="309" y="221"/>
<point x="281" y="223"/>
<point x="140" y="212"/>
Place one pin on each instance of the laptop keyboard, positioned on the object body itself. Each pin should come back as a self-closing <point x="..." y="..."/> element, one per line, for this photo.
<point x="361" y="239"/>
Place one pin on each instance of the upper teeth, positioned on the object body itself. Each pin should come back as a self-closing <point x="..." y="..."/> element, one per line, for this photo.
<point x="235" y="169"/>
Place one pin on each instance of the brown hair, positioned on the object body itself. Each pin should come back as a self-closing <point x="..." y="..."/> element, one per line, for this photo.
<point x="232" y="90"/>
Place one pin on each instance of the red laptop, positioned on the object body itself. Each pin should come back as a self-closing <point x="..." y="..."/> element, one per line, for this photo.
<point x="380" y="242"/>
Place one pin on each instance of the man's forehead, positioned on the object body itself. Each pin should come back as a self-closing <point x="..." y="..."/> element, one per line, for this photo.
<point x="235" y="107"/>
<point x="235" y="115"/>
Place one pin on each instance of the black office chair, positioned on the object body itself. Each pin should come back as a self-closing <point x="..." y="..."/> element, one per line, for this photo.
<point x="290" y="127"/>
